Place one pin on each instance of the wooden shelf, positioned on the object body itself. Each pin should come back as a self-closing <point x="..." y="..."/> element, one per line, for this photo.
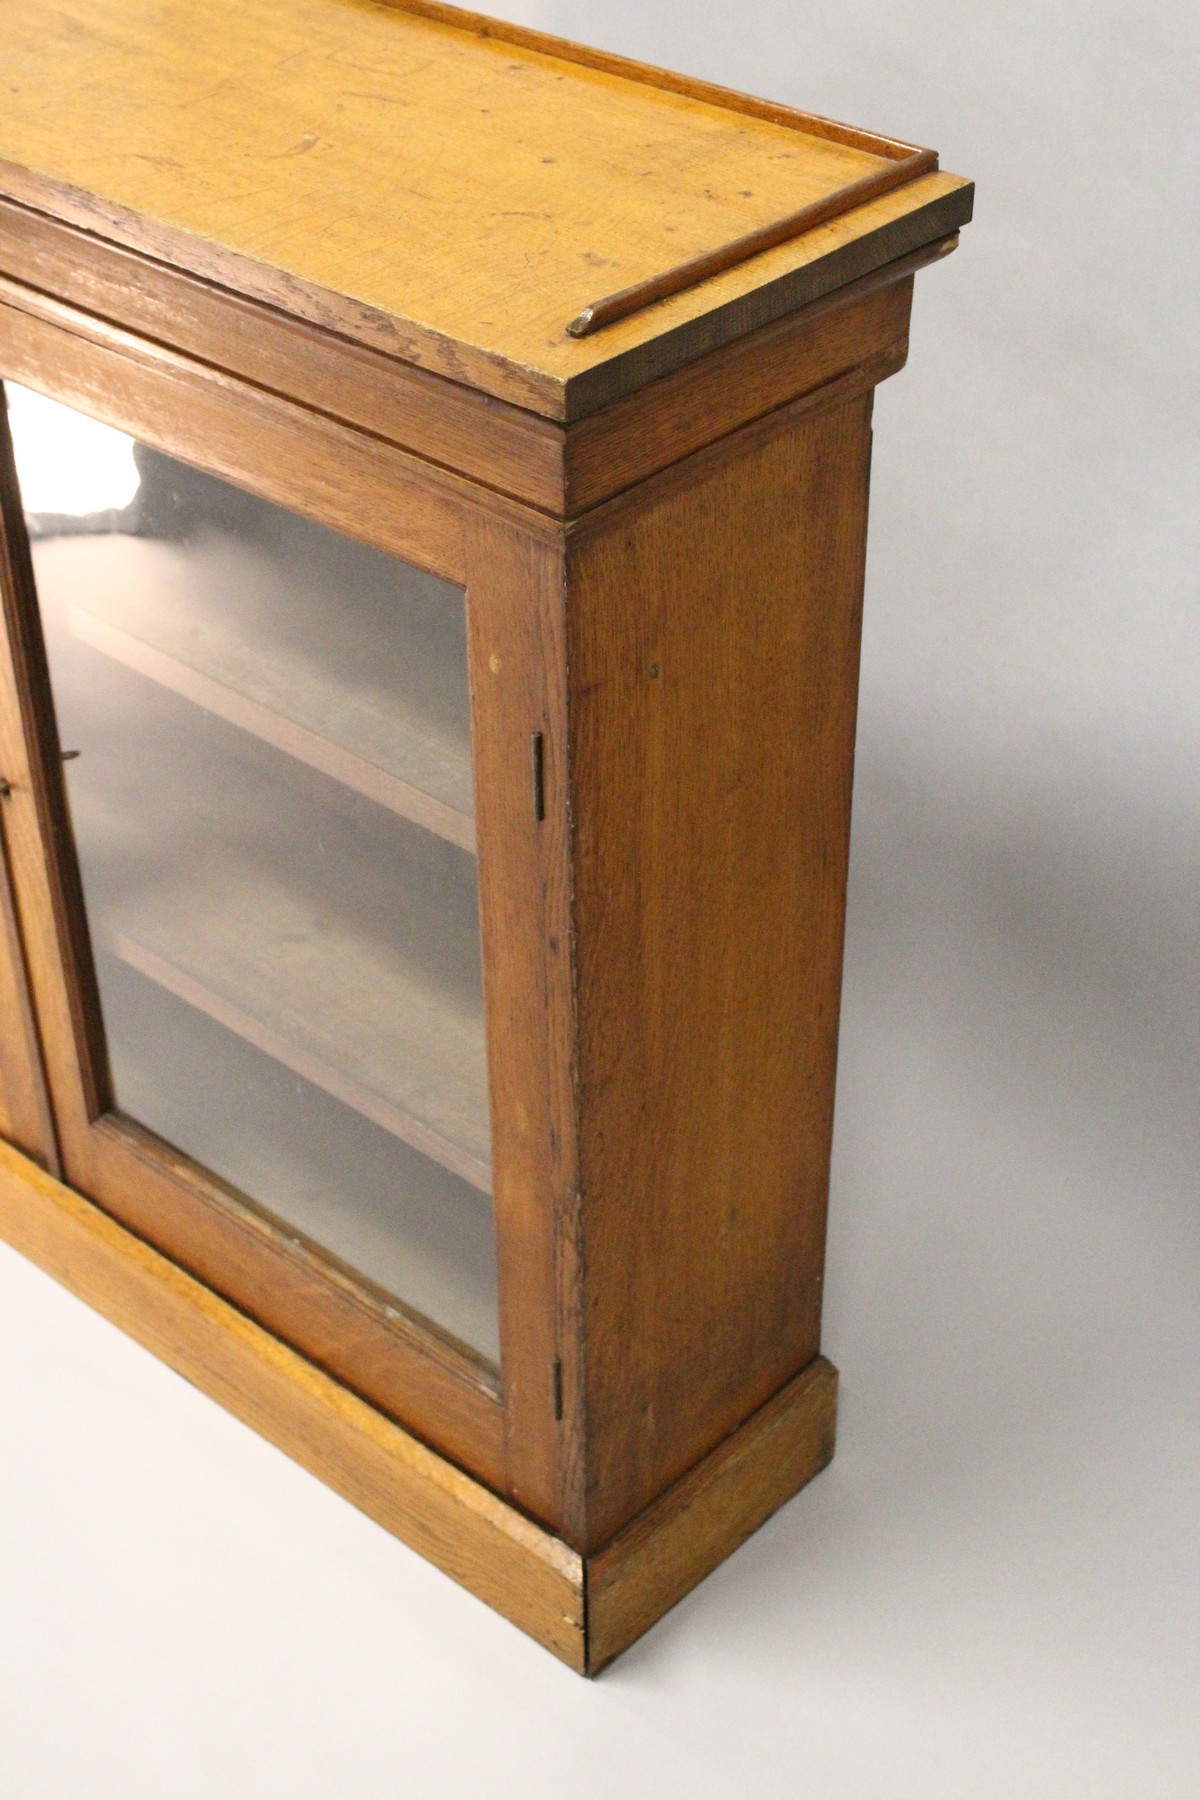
<point x="411" y="1227"/>
<point x="334" y="936"/>
<point x="273" y="728"/>
<point x="251" y="633"/>
<point x="343" y="1013"/>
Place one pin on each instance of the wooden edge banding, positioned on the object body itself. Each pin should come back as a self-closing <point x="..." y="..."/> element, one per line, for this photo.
<point x="31" y="320"/>
<point x="523" y="1571"/>
<point x="681" y="1538"/>
<point x="493" y="441"/>
<point x="561" y="470"/>
<point x="641" y="435"/>
<point x="162" y="254"/>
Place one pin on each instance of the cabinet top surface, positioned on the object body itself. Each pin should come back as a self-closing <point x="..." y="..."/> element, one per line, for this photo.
<point x="450" y="190"/>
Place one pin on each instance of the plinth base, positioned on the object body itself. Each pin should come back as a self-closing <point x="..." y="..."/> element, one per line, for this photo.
<point x="585" y="1609"/>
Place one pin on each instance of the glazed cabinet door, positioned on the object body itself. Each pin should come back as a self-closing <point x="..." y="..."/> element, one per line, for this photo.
<point x="241" y="821"/>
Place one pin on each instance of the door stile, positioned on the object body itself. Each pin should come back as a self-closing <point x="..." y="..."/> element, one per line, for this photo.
<point x="25" y="1116"/>
<point x="517" y="663"/>
<point x="47" y="895"/>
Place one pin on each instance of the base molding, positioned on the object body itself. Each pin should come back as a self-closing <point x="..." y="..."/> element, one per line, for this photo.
<point x="703" y="1517"/>
<point x="585" y="1610"/>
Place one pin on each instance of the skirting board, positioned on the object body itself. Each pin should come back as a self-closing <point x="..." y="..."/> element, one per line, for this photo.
<point x="585" y="1610"/>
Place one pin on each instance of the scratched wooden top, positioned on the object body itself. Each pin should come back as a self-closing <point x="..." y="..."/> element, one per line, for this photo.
<point x="414" y="179"/>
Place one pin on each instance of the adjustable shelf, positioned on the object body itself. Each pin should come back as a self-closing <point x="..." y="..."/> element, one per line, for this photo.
<point x="438" y="553"/>
<point x="410" y="1229"/>
<point x="279" y="729"/>
<point x="245" y="632"/>
<point x="370" y="1030"/>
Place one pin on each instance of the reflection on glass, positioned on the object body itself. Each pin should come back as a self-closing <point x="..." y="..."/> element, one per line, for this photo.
<point x="273" y="813"/>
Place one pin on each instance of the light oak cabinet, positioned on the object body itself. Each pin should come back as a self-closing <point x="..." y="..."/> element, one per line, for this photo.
<point x="433" y="495"/>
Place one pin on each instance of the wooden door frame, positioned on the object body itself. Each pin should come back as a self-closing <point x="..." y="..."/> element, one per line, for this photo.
<point x="507" y="557"/>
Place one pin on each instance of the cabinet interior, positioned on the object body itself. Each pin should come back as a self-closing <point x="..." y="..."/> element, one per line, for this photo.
<point x="266" y="734"/>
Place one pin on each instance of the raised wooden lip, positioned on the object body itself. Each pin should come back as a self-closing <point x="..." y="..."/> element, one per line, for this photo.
<point x="627" y="301"/>
<point x="776" y="112"/>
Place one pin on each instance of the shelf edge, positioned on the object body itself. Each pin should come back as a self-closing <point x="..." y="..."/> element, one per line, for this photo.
<point x="287" y="735"/>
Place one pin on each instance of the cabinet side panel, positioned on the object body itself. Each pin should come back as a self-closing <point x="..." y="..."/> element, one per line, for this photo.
<point x="515" y="645"/>
<point x="713" y="642"/>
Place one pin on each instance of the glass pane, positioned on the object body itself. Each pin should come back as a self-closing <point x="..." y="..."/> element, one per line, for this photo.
<point x="267" y="733"/>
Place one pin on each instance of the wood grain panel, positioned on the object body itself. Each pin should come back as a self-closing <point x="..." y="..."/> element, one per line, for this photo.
<point x="670" y="81"/>
<point x="417" y="170"/>
<point x="398" y="177"/>
<point x="713" y="634"/>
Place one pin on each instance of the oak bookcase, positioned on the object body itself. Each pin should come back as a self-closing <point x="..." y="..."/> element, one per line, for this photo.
<point x="433" y="496"/>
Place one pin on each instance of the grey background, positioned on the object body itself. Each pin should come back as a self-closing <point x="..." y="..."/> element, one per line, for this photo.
<point x="995" y="1589"/>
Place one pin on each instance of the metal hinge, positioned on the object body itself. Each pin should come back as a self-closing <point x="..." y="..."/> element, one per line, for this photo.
<point x="538" y="754"/>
